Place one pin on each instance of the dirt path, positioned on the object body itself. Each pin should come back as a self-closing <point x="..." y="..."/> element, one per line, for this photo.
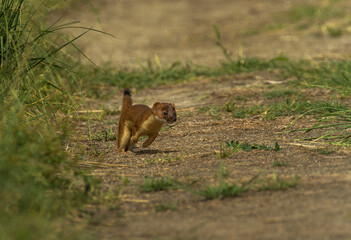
<point x="318" y="208"/>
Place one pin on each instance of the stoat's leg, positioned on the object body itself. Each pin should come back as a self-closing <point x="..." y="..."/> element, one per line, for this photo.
<point x="124" y="140"/>
<point x="149" y="140"/>
<point x="134" y="138"/>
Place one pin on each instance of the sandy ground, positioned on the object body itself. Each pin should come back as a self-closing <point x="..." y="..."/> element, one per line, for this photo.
<point x="318" y="208"/>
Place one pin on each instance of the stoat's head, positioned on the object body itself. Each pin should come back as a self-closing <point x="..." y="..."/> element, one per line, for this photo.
<point x="165" y="111"/>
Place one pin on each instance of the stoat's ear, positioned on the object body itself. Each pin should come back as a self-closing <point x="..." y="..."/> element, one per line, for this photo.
<point x="172" y="104"/>
<point x="156" y="106"/>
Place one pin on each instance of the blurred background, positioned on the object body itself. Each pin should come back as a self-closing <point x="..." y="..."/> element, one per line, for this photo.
<point x="183" y="30"/>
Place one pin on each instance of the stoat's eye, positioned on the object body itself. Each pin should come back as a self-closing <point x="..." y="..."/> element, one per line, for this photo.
<point x="165" y="113"/>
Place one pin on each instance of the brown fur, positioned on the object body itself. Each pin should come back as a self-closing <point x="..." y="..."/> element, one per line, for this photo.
<point x="139" y="120"/>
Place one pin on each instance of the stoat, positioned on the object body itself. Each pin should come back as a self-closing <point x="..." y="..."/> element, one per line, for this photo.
<point x="138" y="120"/>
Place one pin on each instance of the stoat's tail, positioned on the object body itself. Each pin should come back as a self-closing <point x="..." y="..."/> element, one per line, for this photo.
<point x="127" y="100"/>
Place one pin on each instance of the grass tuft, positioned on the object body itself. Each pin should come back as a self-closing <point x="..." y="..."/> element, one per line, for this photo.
<point x="334" y="32"/>
<point x="275" y="183"/>
<point x="229" y="148"/>
<point x="288" y="107"/>
<point x="280" y="93"/>
<point x="291" y="107"/>
<point x="212" y="111"/>
<point x="326" y="151"/>
<point x="166" y="207"/>
<point x="224" y="189"/>
<point x="280" y="164"/>
<point x="335" y="125"/>
<point x="314" y="13"/>
<point x="159" y="184"/>
<point x="106" y="136"/>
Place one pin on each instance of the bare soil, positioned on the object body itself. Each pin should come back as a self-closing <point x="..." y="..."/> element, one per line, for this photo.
<point x="318" y="208"/>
